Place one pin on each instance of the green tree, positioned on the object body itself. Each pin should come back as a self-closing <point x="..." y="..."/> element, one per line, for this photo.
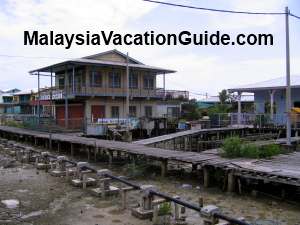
<point x="224" y="97"/>
<point x="190" y="110"/>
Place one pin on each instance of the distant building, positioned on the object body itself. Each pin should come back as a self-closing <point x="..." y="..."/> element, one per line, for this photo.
<point x="22" y="101"/>
<point x="7" y="104"/>
<point x="269" y="96"/>
<point x="247" y="100"/>
<point x="93" y="88"/>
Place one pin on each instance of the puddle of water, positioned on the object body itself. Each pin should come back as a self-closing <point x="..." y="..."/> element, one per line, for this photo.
<point x="33" y="214"/>
<point x="10" y="203"/>
<point x="22" y="190"/>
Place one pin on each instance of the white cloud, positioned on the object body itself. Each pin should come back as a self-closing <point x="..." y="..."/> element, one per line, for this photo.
<point x="199" y="71"/>
<point x="71" y="16"/>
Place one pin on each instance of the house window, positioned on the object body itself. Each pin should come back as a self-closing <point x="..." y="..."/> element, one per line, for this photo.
<point x="95" y="79"/>
<point x="148" y="82"/>
<point x="114" y="80"/>
<point x="268" y="107"/>
<point x="132" y="111"/>
<point x="61" y="83"/>
<point x="133" y="80"/>
<point x="115" y="112"/>
<point x="148" y="111"/>
<point x="173" y="111"/>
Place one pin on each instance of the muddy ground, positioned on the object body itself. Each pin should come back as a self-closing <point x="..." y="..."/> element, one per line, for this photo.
<point x="46" y="200"/>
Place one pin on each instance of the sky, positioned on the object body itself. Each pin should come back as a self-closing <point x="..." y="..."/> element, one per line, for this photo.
<point x="200" y="69"/>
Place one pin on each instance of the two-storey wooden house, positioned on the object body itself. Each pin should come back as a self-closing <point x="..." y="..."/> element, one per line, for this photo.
<point x="94" y="88"/>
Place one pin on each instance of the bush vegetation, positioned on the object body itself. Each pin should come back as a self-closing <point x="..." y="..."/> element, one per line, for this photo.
<point x="164" y="209"/>
<point x="12" y="123"/>
<point x="234" y="147"/>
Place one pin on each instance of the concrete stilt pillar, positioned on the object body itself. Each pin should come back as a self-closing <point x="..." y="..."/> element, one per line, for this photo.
<point x="124" y="196"/>
<point x="164" y="167"/>
<point x="231" y="181"/>
<point x="155" y="214"/>
<point x="206" y="177"/>
<point x="176" y="209"/>
<point x="84" y="180"/>
<point x="35" y="141"/>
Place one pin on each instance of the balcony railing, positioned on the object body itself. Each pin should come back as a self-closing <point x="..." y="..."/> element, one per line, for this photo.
<point x="117" y="92"/>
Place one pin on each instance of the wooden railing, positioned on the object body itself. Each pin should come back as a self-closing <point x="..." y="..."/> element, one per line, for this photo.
<point x="119" y="92"/>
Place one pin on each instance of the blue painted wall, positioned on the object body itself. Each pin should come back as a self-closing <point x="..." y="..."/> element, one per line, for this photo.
<point x="263" y="96"/>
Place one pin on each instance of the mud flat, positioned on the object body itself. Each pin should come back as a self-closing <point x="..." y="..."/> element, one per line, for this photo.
<point x="43" y="199"/>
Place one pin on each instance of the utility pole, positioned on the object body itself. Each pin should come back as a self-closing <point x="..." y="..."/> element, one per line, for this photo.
<point x="127" y="89"/>
<point x="288" y="79"/>
<point x="39" y="99"/>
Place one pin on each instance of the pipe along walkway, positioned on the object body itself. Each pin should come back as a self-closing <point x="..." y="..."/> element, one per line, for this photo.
<point x="58" y="167"/>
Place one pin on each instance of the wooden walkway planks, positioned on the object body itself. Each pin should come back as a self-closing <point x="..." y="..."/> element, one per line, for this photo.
<point x="285" y="167"/>
<point x="184" y="133"/>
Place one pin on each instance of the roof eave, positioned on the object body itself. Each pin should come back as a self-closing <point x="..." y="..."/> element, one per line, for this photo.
<point x="260" y="88"/>
<point x="74" y="62"/>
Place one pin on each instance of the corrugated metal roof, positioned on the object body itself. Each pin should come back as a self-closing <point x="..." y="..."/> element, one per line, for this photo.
<point x="86" y="61"/>
<point x="27" y="92"/>
<point x="277" y="83"/>
<point x="112" y="51"/>
<point x="215" y="99"/>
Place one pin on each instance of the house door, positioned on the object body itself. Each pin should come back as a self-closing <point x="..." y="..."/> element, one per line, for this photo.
<point x="97" y="112"/>
<point x="76" y="115"/>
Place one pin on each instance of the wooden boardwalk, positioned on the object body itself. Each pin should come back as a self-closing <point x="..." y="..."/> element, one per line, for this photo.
<point x="282" y="168"/>
<point x="185" y="133"/>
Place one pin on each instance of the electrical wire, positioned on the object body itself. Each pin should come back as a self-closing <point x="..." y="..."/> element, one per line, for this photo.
<point x="216" y="10"/>
<point x="293" y="15"/>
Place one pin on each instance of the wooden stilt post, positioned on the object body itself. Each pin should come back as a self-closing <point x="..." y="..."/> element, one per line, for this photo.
<point x="205" y="177"/>
<point x="95" y="153"/>
<point x="72" y="150"/>
<point x="58" y="146"/>
<point x="231" y="181"/>
<point x="50" y="141"/>
<point x="194" y="167"/>
<point x="110" y="158"/>
<point x="185" y="143"/>
<point x="164" y="167"/>
<point x="46" y="143"/>
<point x="174" y="143"/>
<point x="88" y="150"/>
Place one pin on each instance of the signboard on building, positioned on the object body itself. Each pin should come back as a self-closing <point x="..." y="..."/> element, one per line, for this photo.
<point x="56" y="95"/>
